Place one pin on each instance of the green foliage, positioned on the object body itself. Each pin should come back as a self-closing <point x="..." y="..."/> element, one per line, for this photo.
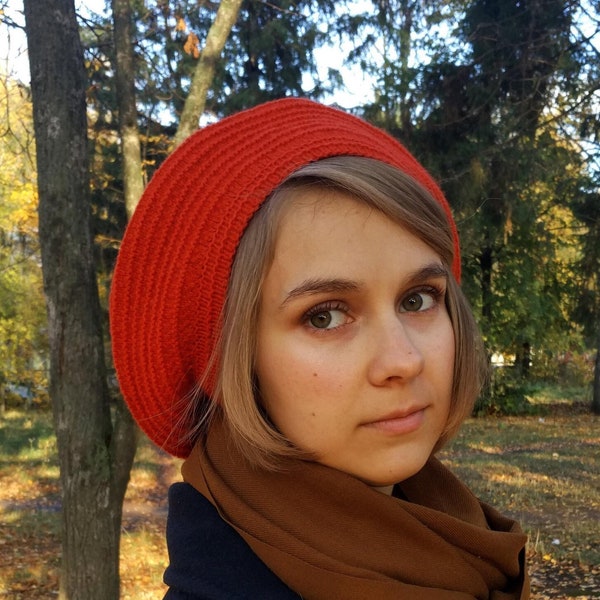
<point x="494" y="122"/>
<point x="548" y="379"/>
<point x="587" y="306"/>
<point x="492" y="96"/>
<point x="507" y="394"/>
<point x="23" y="344"/>
<point x="269" y="54"/>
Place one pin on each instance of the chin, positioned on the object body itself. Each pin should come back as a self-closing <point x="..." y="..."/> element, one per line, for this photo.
<point x="394" y="476"/>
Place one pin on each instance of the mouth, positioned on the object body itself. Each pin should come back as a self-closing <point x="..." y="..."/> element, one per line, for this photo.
<point x="399" y="422"/>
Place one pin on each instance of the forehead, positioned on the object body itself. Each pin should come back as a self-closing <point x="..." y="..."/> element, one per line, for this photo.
<point x="325" y="233"/>
<point x="317" y="210"/>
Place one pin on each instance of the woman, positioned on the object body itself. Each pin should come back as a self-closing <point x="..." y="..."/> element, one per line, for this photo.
<point x="286" y="315"/>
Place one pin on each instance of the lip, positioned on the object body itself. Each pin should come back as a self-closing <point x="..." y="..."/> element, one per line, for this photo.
<point x="399" y="422"/>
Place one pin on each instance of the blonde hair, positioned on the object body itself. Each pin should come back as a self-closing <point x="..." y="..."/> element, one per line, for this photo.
<point x="404" y="201"/>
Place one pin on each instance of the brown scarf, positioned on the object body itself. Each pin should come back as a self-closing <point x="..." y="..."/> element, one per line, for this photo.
<point x="328" y="535"/>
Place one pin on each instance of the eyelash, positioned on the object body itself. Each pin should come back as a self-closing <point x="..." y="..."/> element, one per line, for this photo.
<point x="324" y="307"/>
<point x="437" y="293"/>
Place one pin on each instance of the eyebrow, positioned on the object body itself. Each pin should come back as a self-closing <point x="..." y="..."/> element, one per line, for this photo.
<point x="431" y="271"/>
<point x="311" y="287"/>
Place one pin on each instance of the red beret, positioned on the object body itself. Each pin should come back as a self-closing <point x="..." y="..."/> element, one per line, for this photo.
<point x="174" y="264"/>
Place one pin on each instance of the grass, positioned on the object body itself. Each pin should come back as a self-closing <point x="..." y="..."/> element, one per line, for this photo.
<point x="30" y="514"/>
<point x="543" y="470"/>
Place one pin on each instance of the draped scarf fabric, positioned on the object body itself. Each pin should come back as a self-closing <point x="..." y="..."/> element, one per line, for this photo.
<point x="328" y="535"/>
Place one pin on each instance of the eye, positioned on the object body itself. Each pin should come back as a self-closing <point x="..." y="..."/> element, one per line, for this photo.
<point x="420" y="300"/>
<point x="326" y="317"/>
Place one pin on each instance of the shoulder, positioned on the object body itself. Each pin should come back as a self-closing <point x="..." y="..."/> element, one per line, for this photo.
<point x="208" y="558"/>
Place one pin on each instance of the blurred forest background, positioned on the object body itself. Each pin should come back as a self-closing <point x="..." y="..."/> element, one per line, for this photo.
<point x="500" y="99"/>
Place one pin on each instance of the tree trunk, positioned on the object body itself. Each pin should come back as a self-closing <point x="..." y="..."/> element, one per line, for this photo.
<point x="94" y="457"/>
<point x="133" y="180"/>
<point x="486" y="264"/>
<point x="205" y="69"/>
<point x="596" y="390"/>
<point x="406" y="33"/>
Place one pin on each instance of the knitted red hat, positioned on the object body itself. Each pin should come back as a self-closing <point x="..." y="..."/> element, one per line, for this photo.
<point x="174" y="263"/>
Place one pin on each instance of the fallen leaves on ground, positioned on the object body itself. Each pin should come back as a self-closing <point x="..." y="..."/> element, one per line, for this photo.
<point x="29" y="514"/>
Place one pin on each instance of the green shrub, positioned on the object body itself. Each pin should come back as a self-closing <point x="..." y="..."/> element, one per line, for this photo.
<point x="507" y="394"/>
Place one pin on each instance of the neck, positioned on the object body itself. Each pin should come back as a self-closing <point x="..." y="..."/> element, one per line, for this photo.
<point x="385" y="489"/>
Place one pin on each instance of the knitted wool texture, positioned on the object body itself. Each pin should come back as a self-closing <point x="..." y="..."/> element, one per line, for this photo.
<point x="173" y="268"/>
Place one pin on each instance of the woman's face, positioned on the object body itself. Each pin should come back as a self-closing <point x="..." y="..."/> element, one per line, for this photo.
<point x="355" y="348"/>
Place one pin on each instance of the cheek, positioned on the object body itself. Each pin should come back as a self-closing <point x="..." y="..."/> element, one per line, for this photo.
<point x="449" y="345"/>
<point x="440" y="354"/>
<point x="319" y="374"/>
<point x="287" y="372"/>
<point x="447" y="350"/>
<point x="294" y="384"/>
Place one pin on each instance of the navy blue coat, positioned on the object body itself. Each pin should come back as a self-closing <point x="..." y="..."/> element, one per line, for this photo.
<point x="208" y="559"/>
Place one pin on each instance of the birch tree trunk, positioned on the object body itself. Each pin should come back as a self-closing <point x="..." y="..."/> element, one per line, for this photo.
<point x="133" y="179"/>
<point x="193" y="108"/>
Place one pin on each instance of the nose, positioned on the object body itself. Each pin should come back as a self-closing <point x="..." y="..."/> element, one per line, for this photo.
<point x="395" y="355"/>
